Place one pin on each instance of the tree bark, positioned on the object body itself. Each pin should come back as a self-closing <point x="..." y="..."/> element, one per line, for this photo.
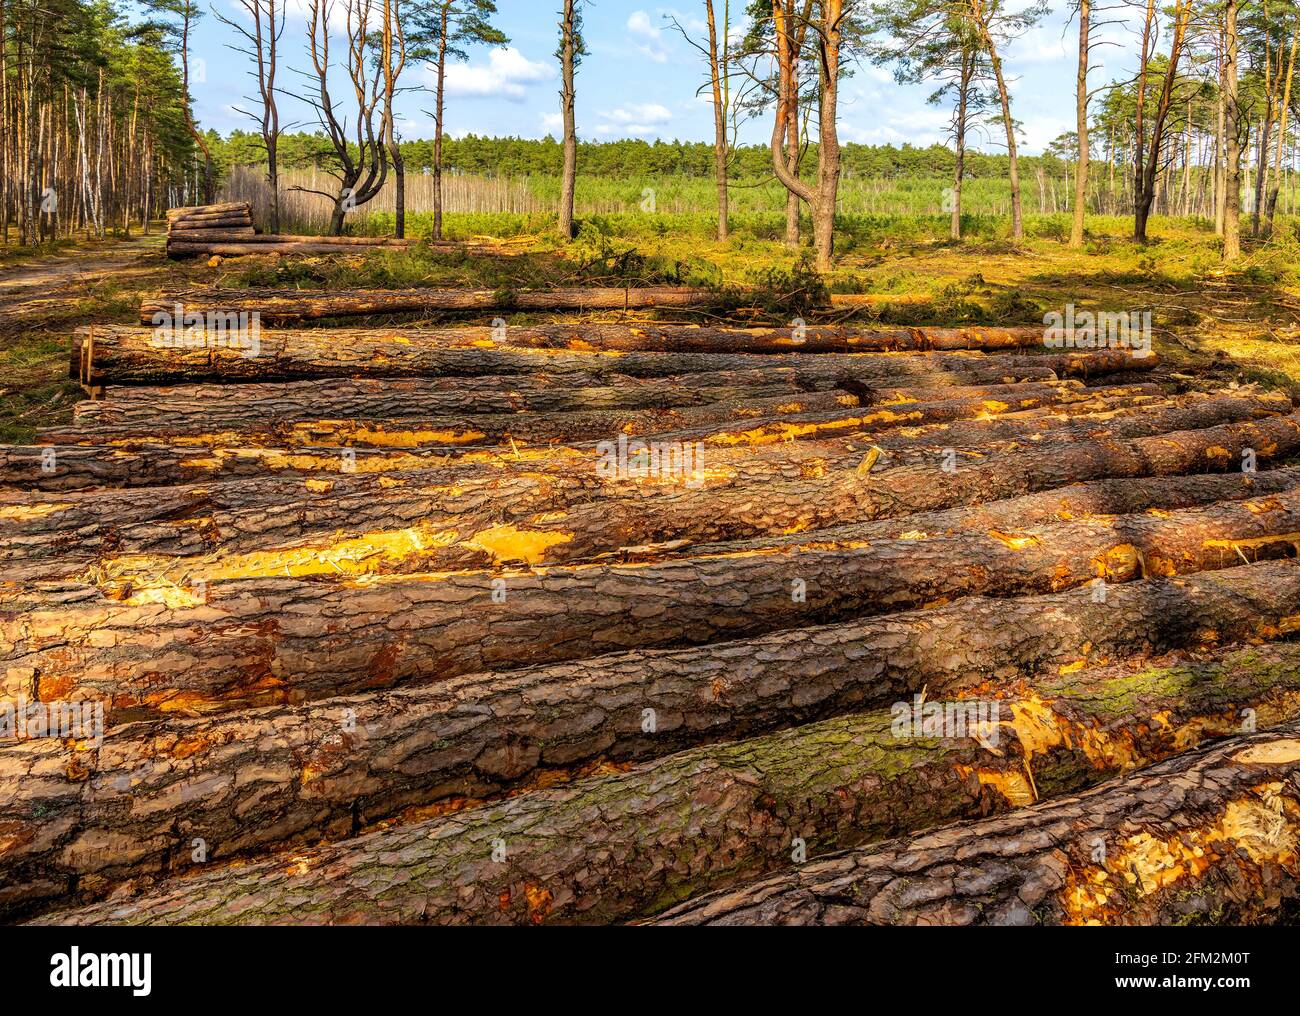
<point x="80" y="467"/>
<point x="1081" y="126"/>
<point x="985" y="30"/>
<point x="576" y="425"/>
<point x="574" y="511"/>
<point x="1148" y="173"/>
<point x="285" y="306"/>
<point x="234" y="406"/>
<point x="147" y="647"/>
<point x="228" y="234"/>
<point x="651" y="337"/>
<point x="185" y="410"/>
<point x="189" y="211"/>
<point x="718" y="66"/>
<point x="839" y="783"/>
<point x="959" y="139"/>
<point x="1232" y="178"/>
<point x="569" y="172"/>
<point x="247" y="247"/>
<point x="1207" y="836"/>
<point x="254" y="239"/>
<point x="812" y="416"/>
<point x="118" y="354"/>
<point x="224" y="220"/>
<point x="1284" y="111"/>
<point x="790" y="31"/>
<point x="439" y="107"/>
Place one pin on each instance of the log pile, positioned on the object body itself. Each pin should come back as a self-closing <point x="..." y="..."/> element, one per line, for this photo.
<point x="228" y="230"/>
<point x="646" y="623"/>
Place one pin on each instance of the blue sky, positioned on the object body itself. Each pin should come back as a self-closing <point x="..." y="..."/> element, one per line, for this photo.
<point x="641" y="80"/>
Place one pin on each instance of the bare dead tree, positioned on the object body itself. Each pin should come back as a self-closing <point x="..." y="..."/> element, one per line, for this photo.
<point x="361" y="170"/>
<point x="392" y="61"/>
<point x="1149" y="168"/>
<point x="261" y="35"/>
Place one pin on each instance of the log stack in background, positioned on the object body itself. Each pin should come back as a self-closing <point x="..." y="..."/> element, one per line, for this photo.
<point x="203" y="225"/>
<point x="228" y="230"/>
<point x="368" y="615"/>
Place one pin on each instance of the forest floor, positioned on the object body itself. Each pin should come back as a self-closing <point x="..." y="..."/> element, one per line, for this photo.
<point x="1239" y="325"/>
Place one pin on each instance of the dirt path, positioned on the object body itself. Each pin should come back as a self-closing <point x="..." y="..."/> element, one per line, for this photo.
<point x="32" y="291"/>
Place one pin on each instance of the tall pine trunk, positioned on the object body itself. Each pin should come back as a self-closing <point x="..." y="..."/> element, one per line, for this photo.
<point x="568" y="56"/>
<point x="1081" y="117"/>
<point x="437" y="128"/>
<point x="719" y="118"/>
<point x="1232" y="146"/>
<point x="959" y="137"/>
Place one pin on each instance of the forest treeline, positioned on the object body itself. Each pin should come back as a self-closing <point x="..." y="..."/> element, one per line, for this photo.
<point x="629" y="158"/>
<point x="97" y="128"/>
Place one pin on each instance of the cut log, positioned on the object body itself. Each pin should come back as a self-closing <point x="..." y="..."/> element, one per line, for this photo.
<point x="116" y="354"/>
<point x="812" y="339"/>
<point x="1208" y="836"/>
<point x="234" y="249"/>
<point x="214" y="235"/>
<point x="234" y="406"/>
<point x="177" y="529"/>
<point x="826" y="411"/>
<point x="190" y="211"/>
<point x="80" y="467"/>
<point x="287" y="305"/>
<point x="332" y="768"/>
<point x="213" y="637"/>
<point x="218" y="221"/>
<point x="813" y="416"/>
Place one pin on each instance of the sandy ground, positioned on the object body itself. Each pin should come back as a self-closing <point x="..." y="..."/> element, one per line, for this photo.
<point x="30" y="291"/>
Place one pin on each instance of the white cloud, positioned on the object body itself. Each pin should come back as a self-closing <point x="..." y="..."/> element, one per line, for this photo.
<point x="506" y="75"/>
<point x="552" y="123"/>
<point x="646" y="36"/>
<point x="1042" y="44"/>
<point x="638" y="119"/>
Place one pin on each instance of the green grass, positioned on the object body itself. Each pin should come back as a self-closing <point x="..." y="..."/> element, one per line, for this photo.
<point x="1243" y="324"/>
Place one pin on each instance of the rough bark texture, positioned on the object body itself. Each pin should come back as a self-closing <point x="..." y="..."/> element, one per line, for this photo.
<point x="215" y="236"/>
<point x="146" y="410"/>
<point x="812" y="339"/>
<point x="233" y="406"/>
<point x="227" y="234"/>
<point x="1209" y="836"/>
<point x="185" y="531"/>
<point x="221" y="220"/>
<point x="80" y="467"/>
<point x="241" y="633"/>
<point x="288" y="305"/>
<point x="238" y="248"/>
<point x="811" y="416"/>
<point x="115" y="354"/>
<point x="493" y="428"/>
<point x="607" y="848"/>
<point x="61" y="535"/>
<point x="190" y="211"/>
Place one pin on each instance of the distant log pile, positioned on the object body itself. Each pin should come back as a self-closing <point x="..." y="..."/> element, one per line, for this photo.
<point x="228" y="230"/>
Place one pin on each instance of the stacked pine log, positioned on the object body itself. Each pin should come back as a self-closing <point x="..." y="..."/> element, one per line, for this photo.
<point x="227" y="229"/>
<point x="203" y="226"/>
<point x="588" y="624"/>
